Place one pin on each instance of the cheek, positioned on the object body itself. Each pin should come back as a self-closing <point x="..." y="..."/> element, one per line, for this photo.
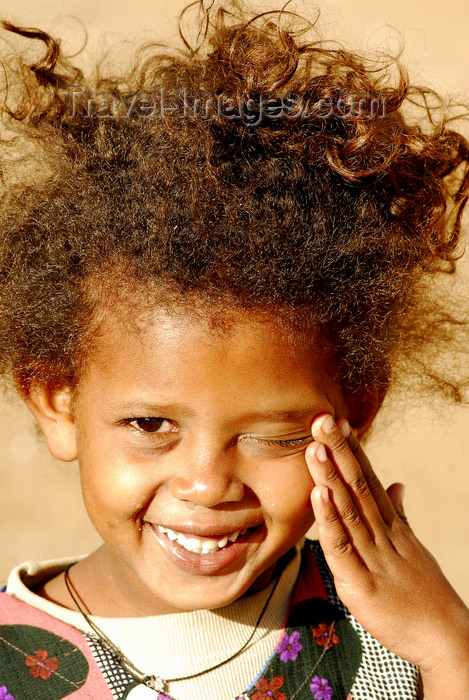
<point x="112" y="490"/>
<point x="286" y="492"/>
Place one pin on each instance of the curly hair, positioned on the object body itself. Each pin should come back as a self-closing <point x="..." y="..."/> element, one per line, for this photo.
<point x="261" y="169"/>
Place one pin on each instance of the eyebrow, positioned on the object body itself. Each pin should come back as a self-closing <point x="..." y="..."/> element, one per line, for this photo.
<point x="282" y="416"/>
<point x="148" y="406"/>
<point x="160" y="410"/>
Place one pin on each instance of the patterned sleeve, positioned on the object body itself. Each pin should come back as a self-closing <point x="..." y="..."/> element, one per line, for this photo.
<point x="382" y="675"/>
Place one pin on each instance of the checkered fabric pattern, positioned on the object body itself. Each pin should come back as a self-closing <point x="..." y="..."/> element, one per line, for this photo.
<point x="382" y="675"/>
<point x="116" y="678"/>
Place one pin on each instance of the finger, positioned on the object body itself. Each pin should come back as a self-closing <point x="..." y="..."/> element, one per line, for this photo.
<point x="396" y="496"/>
<point x="325" y="475"/>
<point x="354" y="466"/>
<point x="336" y="545"/>
<point x="374" y="484"/>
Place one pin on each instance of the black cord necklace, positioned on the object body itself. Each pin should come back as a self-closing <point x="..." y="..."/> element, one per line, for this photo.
<point x="154" y="682"/>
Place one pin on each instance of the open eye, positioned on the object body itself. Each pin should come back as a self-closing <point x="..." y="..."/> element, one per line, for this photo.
<point x="152" y="425"/>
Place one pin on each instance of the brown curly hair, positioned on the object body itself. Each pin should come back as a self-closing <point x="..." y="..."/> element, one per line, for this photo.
<point x="261" y="168"/>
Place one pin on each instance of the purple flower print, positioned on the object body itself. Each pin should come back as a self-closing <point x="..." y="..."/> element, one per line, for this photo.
<point x="289" y="646"/>
<point x="4" y="694"/>
<point x="321" y="688"/>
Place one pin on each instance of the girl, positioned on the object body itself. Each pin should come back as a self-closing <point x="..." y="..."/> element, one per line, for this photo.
<point x="211" y="271"/>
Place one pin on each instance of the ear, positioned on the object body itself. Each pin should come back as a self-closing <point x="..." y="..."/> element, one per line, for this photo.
<point x="364" y="408"/>
<point x="53" y="411"/>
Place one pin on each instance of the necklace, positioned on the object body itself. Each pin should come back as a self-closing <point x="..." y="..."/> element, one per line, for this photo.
<point x="154" y="682"/>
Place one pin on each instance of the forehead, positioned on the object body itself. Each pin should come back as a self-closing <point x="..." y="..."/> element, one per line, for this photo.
<point x="213" y="359"/>
<point x="229" y="334"/>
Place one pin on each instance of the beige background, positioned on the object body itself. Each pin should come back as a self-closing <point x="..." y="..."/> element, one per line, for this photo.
<point x="41" y="514"/>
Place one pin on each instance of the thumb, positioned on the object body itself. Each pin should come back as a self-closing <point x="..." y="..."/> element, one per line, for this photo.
<point x="396" y="496"/>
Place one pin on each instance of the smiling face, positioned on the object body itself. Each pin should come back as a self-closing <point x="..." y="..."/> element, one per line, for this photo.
<point x="191" y="447"/>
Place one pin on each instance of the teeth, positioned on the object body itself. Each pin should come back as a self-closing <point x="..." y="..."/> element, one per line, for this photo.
<point x="199" y="546"/>
<point x="209" y="546"/>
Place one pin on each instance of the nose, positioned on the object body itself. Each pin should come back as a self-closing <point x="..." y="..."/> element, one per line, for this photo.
<point x="207" y="478"/>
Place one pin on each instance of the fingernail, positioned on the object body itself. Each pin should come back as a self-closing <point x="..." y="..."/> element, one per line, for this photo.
<point x="325" y="494"/>
<point x="328" y="424"/>
<point x="344" y="428"/>
<point x="321" y="453"/>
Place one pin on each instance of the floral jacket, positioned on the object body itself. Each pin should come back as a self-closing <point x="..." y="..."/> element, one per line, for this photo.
<point x="322" y="654"/>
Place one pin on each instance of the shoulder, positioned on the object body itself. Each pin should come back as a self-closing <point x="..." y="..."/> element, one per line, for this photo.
<point x="42" y="656"/>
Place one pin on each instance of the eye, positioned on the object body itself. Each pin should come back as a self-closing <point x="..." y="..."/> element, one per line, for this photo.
<point x="151" y="425"/>
<point x="297" y="442"/>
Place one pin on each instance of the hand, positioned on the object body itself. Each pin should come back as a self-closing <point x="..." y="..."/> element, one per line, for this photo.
<point x="382" y="573"/>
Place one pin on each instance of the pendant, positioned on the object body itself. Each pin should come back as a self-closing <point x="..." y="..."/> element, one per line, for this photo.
<point x="159" y="685"/>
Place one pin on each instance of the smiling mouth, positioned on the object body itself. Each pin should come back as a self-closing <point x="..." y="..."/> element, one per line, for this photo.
<point x="200" y="545"/>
